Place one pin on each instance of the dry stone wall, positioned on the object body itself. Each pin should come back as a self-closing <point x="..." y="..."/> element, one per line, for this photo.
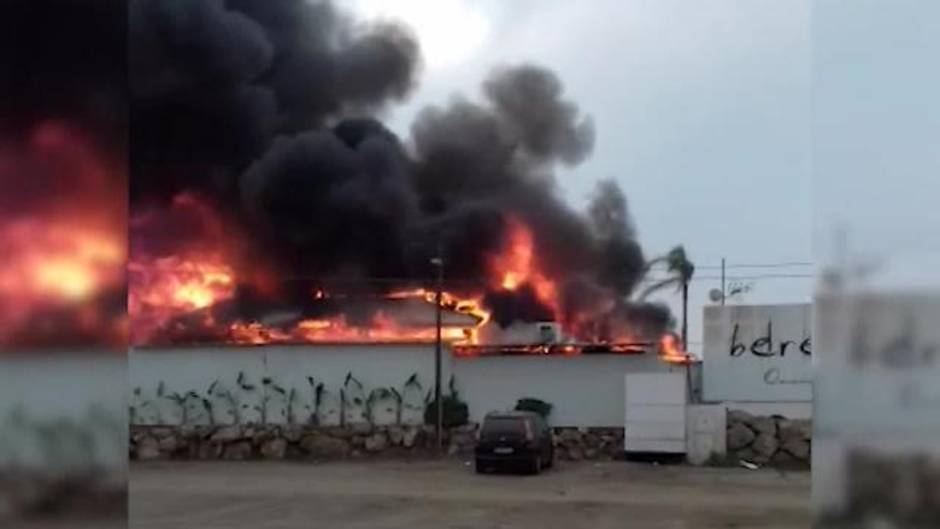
<point x="277" y="442"/>
<point x="768" y="440"/>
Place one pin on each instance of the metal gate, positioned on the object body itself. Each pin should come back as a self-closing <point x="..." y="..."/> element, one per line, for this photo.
<point x="655" y="412"/>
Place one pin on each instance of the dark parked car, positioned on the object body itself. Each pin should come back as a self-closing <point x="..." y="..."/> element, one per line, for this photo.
<point x="518" y="438"/>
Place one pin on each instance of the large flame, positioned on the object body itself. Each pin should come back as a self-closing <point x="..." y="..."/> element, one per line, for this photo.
<point x="168" y="287"/>
<point x="517" y="265"/>
<point x="177" y="298"/>
<point x="470" y="305"/>
<point x="670" y="350"/>
<point x="165" y="287"/>
<point x="382" y="328"/>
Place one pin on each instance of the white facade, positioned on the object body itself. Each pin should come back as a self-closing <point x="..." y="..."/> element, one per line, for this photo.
<point x="586" y="390"/>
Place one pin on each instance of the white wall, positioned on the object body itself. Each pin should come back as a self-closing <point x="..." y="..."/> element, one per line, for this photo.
<point x="705" y="432"/>
<point x="185" y="369"/>
<point x="585" y="390"/>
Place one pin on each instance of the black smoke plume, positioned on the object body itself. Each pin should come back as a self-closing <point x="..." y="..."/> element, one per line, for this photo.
<point x="269" y="109"/>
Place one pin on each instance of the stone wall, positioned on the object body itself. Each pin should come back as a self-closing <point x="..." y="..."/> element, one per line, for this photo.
<point x="768" y="440"/>
<point x="276" y="442"/>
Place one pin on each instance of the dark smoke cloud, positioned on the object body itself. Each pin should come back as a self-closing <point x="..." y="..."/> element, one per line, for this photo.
<point x="548" y="127"/>
<point x="267" y="108"/>
<point x="519" y="305"/>
<point x="621" y="259"/>
<point x="500" y="154"/>
<point x="213" y="82"/>
<point x="315" y="191"/>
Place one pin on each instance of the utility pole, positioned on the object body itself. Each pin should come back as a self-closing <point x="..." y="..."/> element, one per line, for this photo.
<point x="439" y="423"/>
<point x="685" y="314"/>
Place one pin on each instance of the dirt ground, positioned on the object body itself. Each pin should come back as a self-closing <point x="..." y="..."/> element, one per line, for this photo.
<point x="446" y="493"/>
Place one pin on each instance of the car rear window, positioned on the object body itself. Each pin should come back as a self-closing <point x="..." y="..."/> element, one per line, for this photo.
<point x="503" y="426"/>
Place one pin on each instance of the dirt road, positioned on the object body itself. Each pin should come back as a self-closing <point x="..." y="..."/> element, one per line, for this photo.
<point x="447" y="494"/>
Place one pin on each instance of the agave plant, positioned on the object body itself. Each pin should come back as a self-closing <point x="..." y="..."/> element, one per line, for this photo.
<point x="353" y="392"/>
<point x="321" y="394"/>
<point x="242" y="381"/>
<point x="267" y="383"/>
<point x="376" y="396"/>
<point x="217" y="391"/>
<point x="180" y="399"/>
<point x="411" y="396"/>
<point x="247" y="387"/>
<point x="342" y="407"/>
<point x="291" y="399"/>
<point x="156" y="415"/>
<point x="398" y="404"/>
<point x="208" y="408"/>
<point x="317" y="392"/>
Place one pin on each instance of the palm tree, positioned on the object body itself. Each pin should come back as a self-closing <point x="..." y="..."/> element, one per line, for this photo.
<point x="681" y="270"/>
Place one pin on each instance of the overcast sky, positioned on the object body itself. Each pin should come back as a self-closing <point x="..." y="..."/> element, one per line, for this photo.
<point x="702" y="112"/>
<point x="876" y="124"/>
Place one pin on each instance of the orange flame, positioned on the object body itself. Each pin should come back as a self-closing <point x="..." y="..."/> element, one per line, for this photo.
<point x="670" y="350"/>
<point x="381" y="329"/>
<point x="471" y="306"/>
<point x="517" y="265"/>
<point x="166" y="287"/>
<point x="170" y="298"/>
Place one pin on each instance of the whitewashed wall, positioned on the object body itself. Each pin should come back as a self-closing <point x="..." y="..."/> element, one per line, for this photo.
<point x="195" y="369"/>
<point x="585" y="391"/>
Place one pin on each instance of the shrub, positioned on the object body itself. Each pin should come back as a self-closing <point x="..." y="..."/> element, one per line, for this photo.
<point x="456" y="412"/>
<point x="531" y="404"/>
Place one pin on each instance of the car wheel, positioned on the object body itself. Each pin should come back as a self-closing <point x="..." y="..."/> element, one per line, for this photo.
<point x="478" y="466"/>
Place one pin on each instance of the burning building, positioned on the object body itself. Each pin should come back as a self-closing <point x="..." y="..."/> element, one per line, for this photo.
<point x="269" y="205"/>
